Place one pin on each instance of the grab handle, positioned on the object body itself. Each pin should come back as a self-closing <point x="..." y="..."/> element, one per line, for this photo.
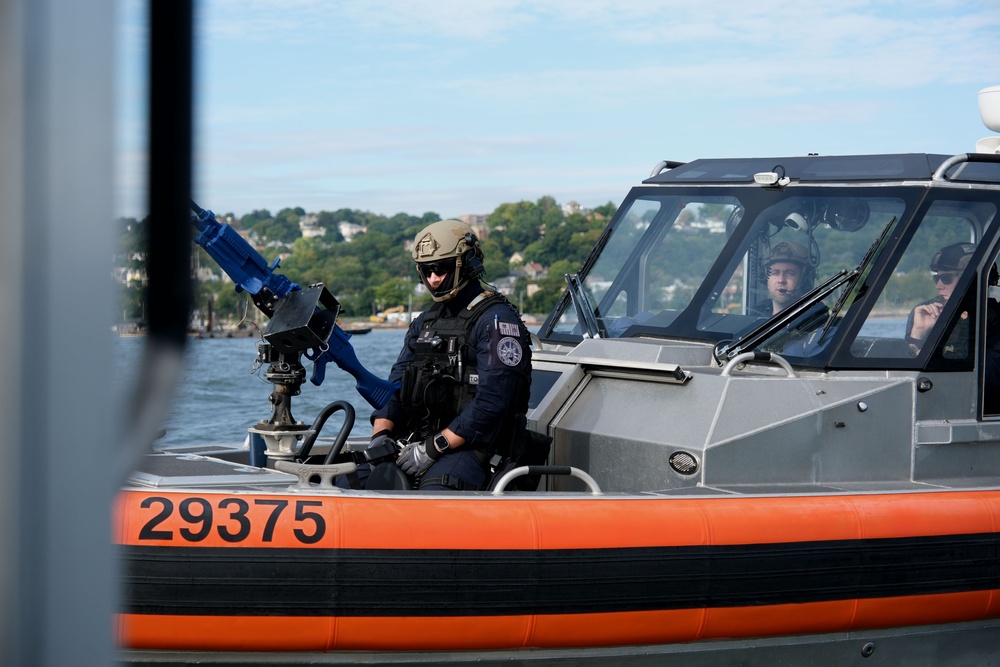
<point x="546" y="470"/>
<point x="758" y="356"/>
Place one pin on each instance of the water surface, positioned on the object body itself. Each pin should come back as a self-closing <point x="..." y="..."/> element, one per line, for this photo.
<point x="219" y="396"/>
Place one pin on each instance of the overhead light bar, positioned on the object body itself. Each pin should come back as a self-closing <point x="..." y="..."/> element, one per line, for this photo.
<point x="770" y="179"/>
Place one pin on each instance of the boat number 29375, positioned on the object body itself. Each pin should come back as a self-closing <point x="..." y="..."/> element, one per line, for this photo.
<point x="194" y="519"/>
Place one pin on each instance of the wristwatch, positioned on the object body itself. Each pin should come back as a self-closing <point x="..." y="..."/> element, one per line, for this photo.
<point x="441" y="443"/>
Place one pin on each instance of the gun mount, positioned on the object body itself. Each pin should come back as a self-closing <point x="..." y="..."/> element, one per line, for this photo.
<point x="302" y="322"/>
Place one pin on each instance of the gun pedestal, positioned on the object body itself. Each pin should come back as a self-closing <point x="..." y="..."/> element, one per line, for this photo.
<point x="303" y="320"/>
<point x="282" y="433"/>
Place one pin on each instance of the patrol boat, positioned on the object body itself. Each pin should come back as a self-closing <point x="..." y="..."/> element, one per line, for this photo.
<point x="729" y="481"/>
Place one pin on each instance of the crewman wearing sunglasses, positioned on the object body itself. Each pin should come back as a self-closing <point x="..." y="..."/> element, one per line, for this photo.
<point x="947" y="266"/>
<point x="465" y="370"/>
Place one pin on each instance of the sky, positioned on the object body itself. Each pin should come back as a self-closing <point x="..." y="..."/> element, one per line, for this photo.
<point x="458" y="106"/>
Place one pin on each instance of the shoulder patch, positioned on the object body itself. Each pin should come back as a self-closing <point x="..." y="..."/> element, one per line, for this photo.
<point x="509" y="350"/>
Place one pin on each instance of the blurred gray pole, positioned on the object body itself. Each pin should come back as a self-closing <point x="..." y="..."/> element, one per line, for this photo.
<point x="57" y="423"/>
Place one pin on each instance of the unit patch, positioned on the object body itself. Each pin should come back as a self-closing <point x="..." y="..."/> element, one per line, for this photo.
<point x="509" y="350"/>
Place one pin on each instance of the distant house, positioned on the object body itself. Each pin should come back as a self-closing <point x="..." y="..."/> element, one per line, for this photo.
<point x="713" y="226"/>
<point x="478" y="223"/>
<point x="517" y="259"/>
<point x="310" y="227"/>
<point x="505" y="285"/>
<point x="125" y="275"/>
<point x="571" y="207"/>
<point x="349" y="230"/>
<point x="534" y="271"/>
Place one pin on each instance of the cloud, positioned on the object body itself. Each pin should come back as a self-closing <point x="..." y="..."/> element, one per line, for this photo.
<point x="447" y="98"/>
<point x="726" y="27"/>
<point x="741" y="47"/>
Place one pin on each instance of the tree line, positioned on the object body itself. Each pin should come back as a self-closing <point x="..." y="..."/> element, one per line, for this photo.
<point x="374" y="270"/>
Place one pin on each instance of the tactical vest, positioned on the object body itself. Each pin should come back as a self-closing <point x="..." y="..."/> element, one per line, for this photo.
<point x="442" y="377"/>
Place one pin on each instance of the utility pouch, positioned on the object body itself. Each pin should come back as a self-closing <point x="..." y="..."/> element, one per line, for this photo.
<point x="529" y="448"/>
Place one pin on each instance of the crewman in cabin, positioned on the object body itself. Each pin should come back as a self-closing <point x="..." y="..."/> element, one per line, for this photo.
<point x="788" y="272"/>
<point x="465" y="369"/>
<point x="946" y="266"/>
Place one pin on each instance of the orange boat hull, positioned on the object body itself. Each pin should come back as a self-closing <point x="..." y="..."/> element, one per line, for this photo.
<point x="285" y="572"/>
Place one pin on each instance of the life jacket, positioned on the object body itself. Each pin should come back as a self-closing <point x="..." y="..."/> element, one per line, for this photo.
<point x="442" y="377"/>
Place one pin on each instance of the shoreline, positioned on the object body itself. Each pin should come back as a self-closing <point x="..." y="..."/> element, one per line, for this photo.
<point x="352" y="327"/>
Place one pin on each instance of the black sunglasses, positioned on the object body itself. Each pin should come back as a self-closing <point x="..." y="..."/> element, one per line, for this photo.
<point x="441" y="267"/>
<point x="944" y="278"/>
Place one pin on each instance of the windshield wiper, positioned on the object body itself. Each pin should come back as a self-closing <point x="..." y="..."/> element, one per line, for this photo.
<point x="592" y="324"/>
<point x="862" y="272"/>
<point x="766" y="329"/>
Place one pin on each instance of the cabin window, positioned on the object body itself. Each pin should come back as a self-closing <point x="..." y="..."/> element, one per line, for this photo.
<point x="621" y="244"/>
<point x="805" y="239"/>
<point x="926" y="311"/>
<point x="654" y="261"/>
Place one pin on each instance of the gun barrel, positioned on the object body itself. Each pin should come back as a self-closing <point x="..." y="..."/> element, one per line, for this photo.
<point x="240" y="261"/>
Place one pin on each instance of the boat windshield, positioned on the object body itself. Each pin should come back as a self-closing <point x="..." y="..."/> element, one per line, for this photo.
<point x="713" y="264"/>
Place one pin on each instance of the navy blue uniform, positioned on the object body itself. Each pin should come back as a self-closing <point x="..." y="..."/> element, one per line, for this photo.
<point x="499" y="345"/>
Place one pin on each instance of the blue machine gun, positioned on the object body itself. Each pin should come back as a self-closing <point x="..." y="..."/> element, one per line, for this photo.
<point x="302" y="322"/>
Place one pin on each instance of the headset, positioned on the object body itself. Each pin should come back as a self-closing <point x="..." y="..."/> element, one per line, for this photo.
<point x="472" y="257"/>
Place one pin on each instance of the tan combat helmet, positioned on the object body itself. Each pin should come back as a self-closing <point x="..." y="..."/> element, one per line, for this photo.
<point x="448" y="248"/>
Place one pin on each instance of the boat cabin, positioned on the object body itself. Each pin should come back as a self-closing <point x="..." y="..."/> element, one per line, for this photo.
<point x="746" y="324"/>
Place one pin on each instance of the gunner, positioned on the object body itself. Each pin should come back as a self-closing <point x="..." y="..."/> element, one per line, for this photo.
<point x="465" y="368"/>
